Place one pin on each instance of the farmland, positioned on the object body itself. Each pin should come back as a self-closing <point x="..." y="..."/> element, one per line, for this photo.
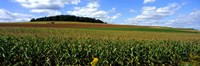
<point x="78" y="43"/>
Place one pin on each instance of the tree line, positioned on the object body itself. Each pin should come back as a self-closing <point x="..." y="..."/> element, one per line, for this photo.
<point x="67" y="18"/>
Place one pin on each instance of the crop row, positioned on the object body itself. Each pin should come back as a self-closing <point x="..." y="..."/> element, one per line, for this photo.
<point x="33" y="50"/>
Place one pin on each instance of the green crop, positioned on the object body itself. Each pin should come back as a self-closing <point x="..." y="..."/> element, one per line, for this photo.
<point x="45" y="46"/>
<point x="67" y="51"/>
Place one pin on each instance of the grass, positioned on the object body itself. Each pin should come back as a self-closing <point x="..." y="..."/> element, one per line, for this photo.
<point x="146" y="29"/>
<point x="101" y="34"/>
<point x="112" y="46"/>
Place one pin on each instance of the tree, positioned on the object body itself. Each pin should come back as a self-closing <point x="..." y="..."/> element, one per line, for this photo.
<point x="32" y="20"/>
<point x="68" y="18"/>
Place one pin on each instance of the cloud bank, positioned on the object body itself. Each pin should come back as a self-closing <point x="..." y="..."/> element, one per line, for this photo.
<point x="191" y="20"/>
<point x="151" y="15"/>
<point x="92" y="10"/>
<point x="149" y="1"/>
<point x="49" y="7"/>
<point x="7" y="16"/>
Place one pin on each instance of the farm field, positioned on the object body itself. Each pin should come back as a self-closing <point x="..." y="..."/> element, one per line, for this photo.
<point x="42" y="43"/>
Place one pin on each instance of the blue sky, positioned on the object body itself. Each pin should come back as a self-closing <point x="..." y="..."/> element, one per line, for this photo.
<point x="171" y="13"/>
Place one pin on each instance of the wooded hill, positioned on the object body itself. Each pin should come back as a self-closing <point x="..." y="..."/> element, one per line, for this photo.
<point x="67" y="18"/>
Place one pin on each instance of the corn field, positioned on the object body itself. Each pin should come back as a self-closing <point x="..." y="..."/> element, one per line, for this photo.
<point x="50" y="46"/>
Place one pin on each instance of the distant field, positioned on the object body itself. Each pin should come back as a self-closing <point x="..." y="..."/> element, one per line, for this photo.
<point x="42" y="43"/>
<point x="66" y="25"/>
<point x="98" y="26"/>
<point x="147" y="30"/>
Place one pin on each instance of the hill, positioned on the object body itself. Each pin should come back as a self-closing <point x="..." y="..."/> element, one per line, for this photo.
<point x="67" y="18"/>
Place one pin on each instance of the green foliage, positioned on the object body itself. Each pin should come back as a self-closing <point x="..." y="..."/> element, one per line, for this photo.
<point x="67" y="18"/>
<point x="31" y="50"/>
<point x="61" y="46"/>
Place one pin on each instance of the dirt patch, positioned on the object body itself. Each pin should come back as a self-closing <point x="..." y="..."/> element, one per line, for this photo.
<point x="71" y="25"/>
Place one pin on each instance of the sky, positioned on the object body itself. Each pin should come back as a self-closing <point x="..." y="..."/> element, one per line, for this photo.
<point x="170" y="13"/>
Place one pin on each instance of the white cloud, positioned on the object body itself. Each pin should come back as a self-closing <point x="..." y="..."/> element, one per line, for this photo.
<point x="49" y="7"/>
<point x="46" y="4"/>
<point x="47" y="11"/>
<point x="149" y="1"/>
<point x="7" y="16"/>
<point x="116" y="16"/>
<point x="152" y="15"/>
<point x="191" y="20"/>
<point x="92" y="10"/>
